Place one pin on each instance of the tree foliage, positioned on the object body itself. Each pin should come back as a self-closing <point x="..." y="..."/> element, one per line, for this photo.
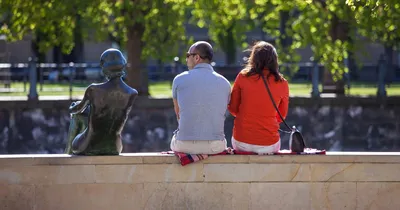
<point x="378" y="20"/>
<point x="276" y="18"/>
<point x="226" y="22"/>
<point x="156" y="28"/>
<point x="145" y="29"/>
<point x="329" y="27"/>
<point x="53" y="20"/>
<point x="332" y="28"/>
<point x="162" y="22"/>
<point x="325" y="26"/>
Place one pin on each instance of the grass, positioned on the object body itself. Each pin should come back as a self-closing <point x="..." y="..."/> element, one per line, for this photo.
<point x="163" y="89"/>
<point x="356" y="89"/>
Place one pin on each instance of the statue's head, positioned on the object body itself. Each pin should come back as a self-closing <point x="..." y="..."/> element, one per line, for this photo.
<point x="112" y="63"/>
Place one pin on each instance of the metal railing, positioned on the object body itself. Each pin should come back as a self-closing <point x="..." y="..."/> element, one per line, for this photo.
<point x="33" y="73"/>
<point x="70" y="77"/>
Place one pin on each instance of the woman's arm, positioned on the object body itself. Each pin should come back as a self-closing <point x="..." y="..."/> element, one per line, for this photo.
<point x="284" y="103"/>
<point x="234" y="103"/>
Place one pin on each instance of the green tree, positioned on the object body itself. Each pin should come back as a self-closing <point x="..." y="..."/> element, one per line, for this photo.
<point x="276" y="17"/>
<point x="324" y="25"/>
<point x="226" y="23"/>
<point x="149" y="29"/>
<point x="379" y="21"/>
<point x="36" y="18"/>
<point x="146" y="28"/>
<point x="329" y="28"/>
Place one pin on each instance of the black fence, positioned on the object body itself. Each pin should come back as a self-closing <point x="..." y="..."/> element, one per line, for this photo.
<point x="78" y="75"/>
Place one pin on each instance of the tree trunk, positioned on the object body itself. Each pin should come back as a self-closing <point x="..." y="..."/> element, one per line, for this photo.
<point x="228" y="45"/>
<point x="57" y="55"/>
<point x="230" y="48"/>
<point x="38" y="56"/>
<point x="284" y="39"/>
<point x="389" y="64"/>
<point x="76" y="55"/>
<point x="136" y="74"/>
<point x="339" y="31"/>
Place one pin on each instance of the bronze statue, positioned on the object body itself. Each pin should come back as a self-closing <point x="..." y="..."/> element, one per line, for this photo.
<point x="97" y="121"/>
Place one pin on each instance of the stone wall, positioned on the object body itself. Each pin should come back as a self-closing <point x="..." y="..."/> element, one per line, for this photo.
<point x="153" y="181"/>
<point x="335" y="124"/>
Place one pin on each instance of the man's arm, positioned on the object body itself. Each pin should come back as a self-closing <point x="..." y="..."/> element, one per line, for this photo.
<point x="175" y="96"/>
<point x="176" y="108"/>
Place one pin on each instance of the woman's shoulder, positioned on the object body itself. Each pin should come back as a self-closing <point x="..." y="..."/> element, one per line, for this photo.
<point x="284" y="86"/>
<point x="241" y="75"/>
<point x="284" y="80"/>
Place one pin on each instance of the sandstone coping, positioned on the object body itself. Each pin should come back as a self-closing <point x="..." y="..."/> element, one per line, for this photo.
<point x="338" y="180"/>
<point x="158" y="158"/>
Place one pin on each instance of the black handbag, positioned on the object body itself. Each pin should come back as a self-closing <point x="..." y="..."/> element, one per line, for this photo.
<point x="296" y="140"/>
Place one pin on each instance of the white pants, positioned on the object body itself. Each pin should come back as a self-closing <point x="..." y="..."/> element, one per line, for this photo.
<point x="237" y="145"/>
<point x="198" y="146"/>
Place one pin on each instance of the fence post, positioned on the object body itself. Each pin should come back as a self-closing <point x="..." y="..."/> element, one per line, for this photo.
<point x="26" y="74"/>
<point x="381" y="76"/>
<point x="71" y="66"/>
<point x="33" y="95"/>
<point x="41" y="77"/>
<point x="315" y="80"/>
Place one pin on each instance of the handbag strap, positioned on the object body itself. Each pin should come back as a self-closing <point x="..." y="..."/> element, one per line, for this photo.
<point x="273" y="102"/>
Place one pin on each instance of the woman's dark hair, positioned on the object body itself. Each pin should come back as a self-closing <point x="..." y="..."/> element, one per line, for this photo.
<point x="263" y="56"/>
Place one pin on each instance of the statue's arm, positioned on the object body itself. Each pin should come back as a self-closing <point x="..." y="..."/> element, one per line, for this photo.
<point x="80" y="144"/>
<point x="73" y="131"/>
<point x="80" y="106"/>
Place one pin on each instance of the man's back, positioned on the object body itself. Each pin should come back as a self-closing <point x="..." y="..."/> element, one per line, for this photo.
<point x="203" y="96"/>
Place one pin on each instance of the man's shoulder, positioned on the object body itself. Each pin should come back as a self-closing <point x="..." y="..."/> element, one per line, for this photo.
<point x="222" y="78"/>
<point x="181" y="76"/>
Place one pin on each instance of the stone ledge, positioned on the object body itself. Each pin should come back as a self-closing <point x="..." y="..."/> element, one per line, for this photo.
<point x="338" y="180"/>
<point x="157" y="158"/>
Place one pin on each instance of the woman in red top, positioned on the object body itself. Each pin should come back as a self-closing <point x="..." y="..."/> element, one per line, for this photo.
<point x="257" y="122"/>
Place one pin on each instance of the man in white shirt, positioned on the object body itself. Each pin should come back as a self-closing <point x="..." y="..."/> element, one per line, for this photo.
<point x="201" y="97"/>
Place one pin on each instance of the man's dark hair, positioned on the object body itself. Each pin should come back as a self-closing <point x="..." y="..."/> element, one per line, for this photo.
<point x="205" y="50"/>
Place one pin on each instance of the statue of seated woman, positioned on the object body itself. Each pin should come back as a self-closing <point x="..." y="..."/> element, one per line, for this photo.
<point x="98" y="119"/>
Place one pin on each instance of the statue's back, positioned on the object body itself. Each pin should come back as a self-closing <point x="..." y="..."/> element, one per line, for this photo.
<point x="111" y="103"/>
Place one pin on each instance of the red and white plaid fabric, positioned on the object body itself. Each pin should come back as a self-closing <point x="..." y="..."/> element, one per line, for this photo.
<point x="186" y="159"/>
